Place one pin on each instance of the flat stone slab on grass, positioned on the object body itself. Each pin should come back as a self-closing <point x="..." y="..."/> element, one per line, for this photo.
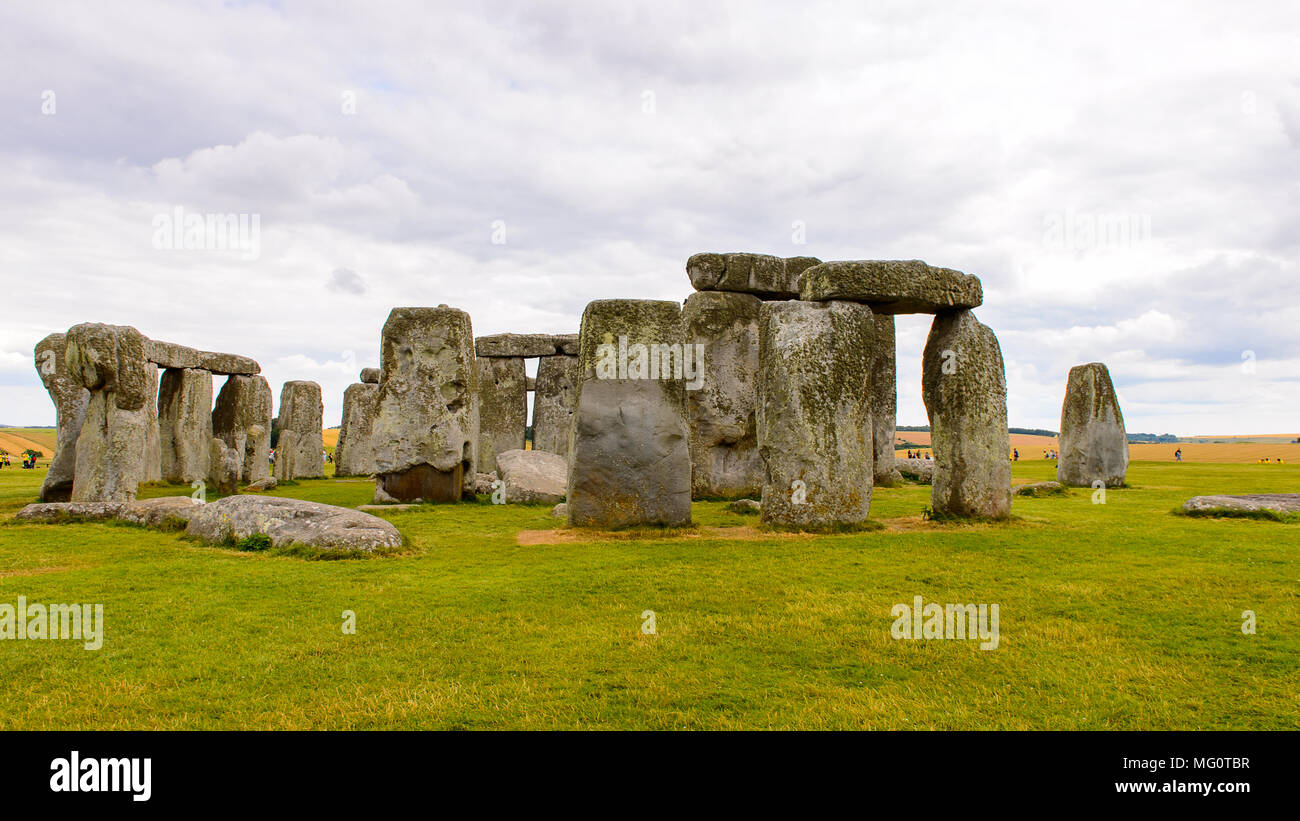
<point x="1039" y="489"/>
<point x="1287" y="503"/>
<point x="892" y="286"/>
<point x="918" y="470"/>
<point x="292" y="522"/>
<point x="534" y="476"/>
<point x="156" y="513"/>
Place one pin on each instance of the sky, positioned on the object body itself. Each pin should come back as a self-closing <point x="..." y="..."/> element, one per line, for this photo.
<point x="1124" y="178"/>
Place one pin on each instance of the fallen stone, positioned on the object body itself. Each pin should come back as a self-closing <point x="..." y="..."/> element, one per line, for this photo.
<point x="1039" y="489"/>
<point x="291" y="522"/>
<point x="553" y="403"/>
<point x="426" y="424"/>
<point x="261" y="485"/>
<point x="892" y="286"/>
<point x="354" y="454"/>
<point x="370" y="376"/>
<point x="918" y="470"/>
<point x="70" y="400"/>
<point x="163" y="513"/>
<point x="1284" y="503"/>
<point x="483" y="482"/>
<point x="560" y="511"/>
<point x="964" y="387"/>
<point x="814" y="413"/>
<point x="502" y="408"/>
<point x="762" y="275"/>
<point x="242" y="419"/>
<point x="299" y="452"/>
<point x="1094" y="444"/>
<point x="533" y="476"/>
<point x="185" y="424"/>
<point x="630" y="463"/>
<point x="723" y="327"/>
<point x="54" y="512"/>
<point x="516" y="345"/>
<point x="745" y="506"/>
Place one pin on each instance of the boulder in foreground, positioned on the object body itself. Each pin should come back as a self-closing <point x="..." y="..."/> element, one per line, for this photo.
<point x="292" y="522"/>
<point x="534" y="476"/>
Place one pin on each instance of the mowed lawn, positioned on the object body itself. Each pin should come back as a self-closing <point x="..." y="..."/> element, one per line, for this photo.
<point x="1112" y="616"/>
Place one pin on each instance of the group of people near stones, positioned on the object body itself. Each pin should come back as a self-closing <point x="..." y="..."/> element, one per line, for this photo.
<point x="791" y="399"/>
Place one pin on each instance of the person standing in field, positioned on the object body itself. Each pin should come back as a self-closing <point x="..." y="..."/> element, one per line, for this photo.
<point x="1178" y="455"/>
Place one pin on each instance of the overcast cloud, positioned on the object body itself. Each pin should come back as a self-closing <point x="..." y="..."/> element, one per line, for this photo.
<point x="518" y="160"/>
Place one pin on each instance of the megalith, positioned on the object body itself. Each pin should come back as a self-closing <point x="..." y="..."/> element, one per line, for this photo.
<point x="241" y="418"/>
<point x="722" y="394"/>
<point x="964" y="386"/>
<point x="354" y="455"/>
<point x="299" y="449"/>
<point x="426" y="427"/>
<point x="892" y="286"/>
<point x="630" y="462"/>
<point x="109" y="362"/>
<point x="1094" y="444"/>
<point x="70" y="402"/>
<point x="152" y="468"/>
<point x="884" y="401"/>
<point x="814" y="413"/>
<point x="502" y="408"/>
<point x="553" y="403"/>
<point x="185" y="423"/>
<point x="762" y="275"/>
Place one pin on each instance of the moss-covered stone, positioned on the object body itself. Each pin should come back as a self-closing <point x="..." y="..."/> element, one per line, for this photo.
<point x="762" y="275"/>
<point x="1094" y="444"/>
<point x="502" y="408"/>
<point x="892" y="286"/>
<point x="354" y="454"/>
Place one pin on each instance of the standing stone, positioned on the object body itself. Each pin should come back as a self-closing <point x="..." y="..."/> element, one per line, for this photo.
<point x="553" y="403"/>
<point x="224" y="466"/>
<point x="814" y="413"/>
<point x="153" y="430"/>
<point x="109" y="361"/>
<point x="242" y="419"/>
<point x="185" y="423"/>
<point x="1094" y="444"/>
<point x="354" y="455"/>
<point x="300" y="450"/>
<point x="427" y="426"/>
<point x="964" y="385"/>
<point x="70" y="402"/>
<point x="630" y="462"/>
<point x="884" y="401"/>
<point x="502" y="408"/>
<point x="723" y="409"/>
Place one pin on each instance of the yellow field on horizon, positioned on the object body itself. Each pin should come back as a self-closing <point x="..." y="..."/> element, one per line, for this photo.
<point x="1245" y="452"/>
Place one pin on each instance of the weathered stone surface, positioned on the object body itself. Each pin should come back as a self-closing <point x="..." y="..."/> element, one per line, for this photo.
<point x="516" y="345"/>
<point x="224" y="464"/>
<point x="370" y="376"/>
<point x="54" y="512"/>
<point x="109" y="358"/>
<point x="746" y="506"/>
<point x="893" y="286"/>
<point x="1285" y="503"/>
<point x="166" y="512"/>
<point x="152" y="467"/>
<point x="228" y="364"/>
<point x="354" y="454"/>
<point x="1039" y="489"/>
<point x="427" y="424"/>
<point x="70" y="400"/>
<point x="918" y="470"/>
<point x="560" y="511"/>
<point x="1094" y="444"/>
<point x="502" y="408"/>
<point x="814" y="413"/>
<point x="533" y="476"/>
<point x="260" y="485"/>
<point x="109" y="361"/>
<point x="762" y="275"/>
<point x="530" y="383"/>
<point x="568" y="344"/>
<point x="630" y="461"/>
<point x="291" y="522"/>
<point x="170" y="355"/>
<point x="242" y="419"/>
<point x="299" y="450"/>
<point x="723" y="410"/>
<point x="553" y="403"/>
<point x="483" y="482"/>
<point x="964" y="386"/>
<point x="884" y="401"/>
<point x="185" y="423"/>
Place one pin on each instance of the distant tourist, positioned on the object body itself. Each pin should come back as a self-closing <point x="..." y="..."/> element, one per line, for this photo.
<point x="1178" y="455"/>
<point x="1015" y="454"/>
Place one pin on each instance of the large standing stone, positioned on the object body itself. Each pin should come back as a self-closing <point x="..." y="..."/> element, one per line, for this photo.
<point x="964" y="386"/>
<point x="758" y="274"/>
<point x="242" y="419"/>
<point x="299" y="449"/>
<point x="426" y="427"/>
<point x="109" y="361"/>
<point x="723" y="409"/>
<point x="70" y="401"/>
<point x="1094" y="444"/>
<point x="153" y="430"/>
<point x="553" y="403"/>
<point x="893" y="286"/>
<point x="884" y="401"/>
<point x="502" y="408"/>
<point x="354" y="455"/>
<point x="185" y="423"/>
<point x="630" y="463"/>
<point x="814" y="413"/>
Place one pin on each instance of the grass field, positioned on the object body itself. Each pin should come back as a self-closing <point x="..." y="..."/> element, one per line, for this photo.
<point x="1116" y="615"/>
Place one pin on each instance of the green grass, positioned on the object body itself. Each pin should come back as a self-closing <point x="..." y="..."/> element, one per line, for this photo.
<point x="1114" y="616"/>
